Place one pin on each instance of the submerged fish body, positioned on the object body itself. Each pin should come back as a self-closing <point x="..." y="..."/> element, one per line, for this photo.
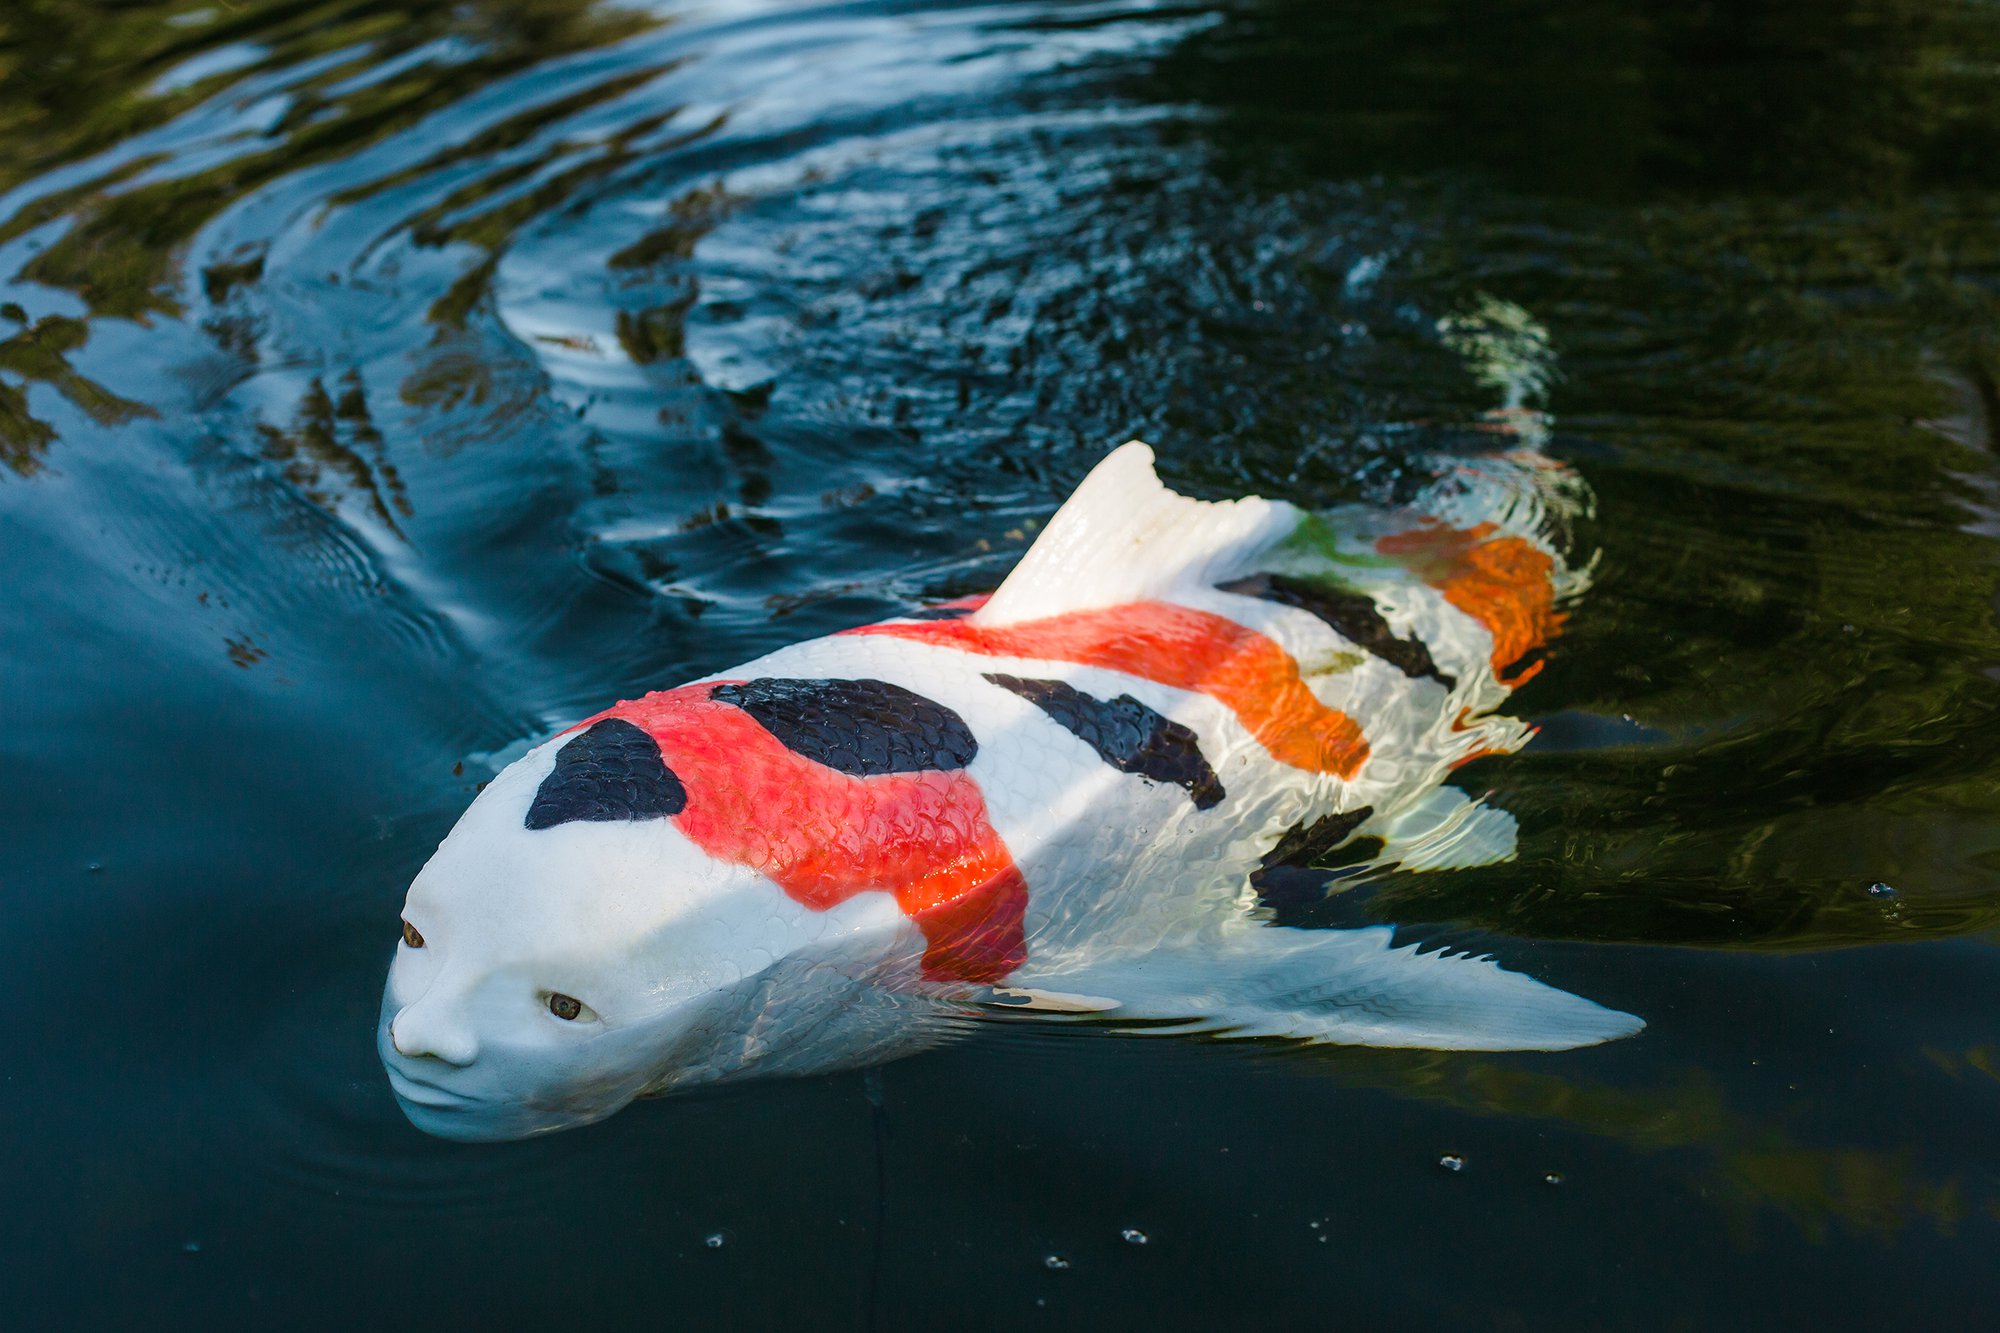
<point x="1050" y="800"/>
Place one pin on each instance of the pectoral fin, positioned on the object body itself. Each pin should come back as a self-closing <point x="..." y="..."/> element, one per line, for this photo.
<point x="1446" y="830"/>
<point x="1349" y="987"/>
<point x="1048" y="1001"/>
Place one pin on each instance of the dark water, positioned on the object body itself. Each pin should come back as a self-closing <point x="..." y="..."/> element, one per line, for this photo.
<point x="382" y="385"/>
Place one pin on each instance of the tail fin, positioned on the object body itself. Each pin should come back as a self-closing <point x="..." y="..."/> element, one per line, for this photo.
<point x="1520" y="493"/>
<point x="1124" y="537"/>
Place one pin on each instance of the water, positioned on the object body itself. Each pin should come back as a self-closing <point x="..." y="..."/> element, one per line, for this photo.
<point x="381" y="386"/>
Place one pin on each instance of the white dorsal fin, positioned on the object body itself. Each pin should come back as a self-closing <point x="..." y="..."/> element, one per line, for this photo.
<point x="1124" y="537"/>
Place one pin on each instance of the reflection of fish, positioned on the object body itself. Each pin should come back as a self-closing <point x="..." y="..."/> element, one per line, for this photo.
<point x="1050" y="799"/>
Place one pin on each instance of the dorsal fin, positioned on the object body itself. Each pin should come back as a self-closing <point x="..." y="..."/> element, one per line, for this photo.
<point x="1124" y="537"/>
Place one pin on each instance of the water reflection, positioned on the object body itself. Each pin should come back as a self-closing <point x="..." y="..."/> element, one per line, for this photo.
<point x="333" y="446"/>
<point x="1748" y="1165"/>
<point x="1621" y="99"/>
<point x="380" y="387"/>
<point x="37" y="353"/>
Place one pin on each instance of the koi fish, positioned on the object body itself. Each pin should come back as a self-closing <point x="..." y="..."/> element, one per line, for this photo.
<point x="1051" y="801"/>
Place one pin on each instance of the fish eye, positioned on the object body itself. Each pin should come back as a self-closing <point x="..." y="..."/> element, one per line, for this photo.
<point x="412" y="936"/>
<point x="565" y="1007"/>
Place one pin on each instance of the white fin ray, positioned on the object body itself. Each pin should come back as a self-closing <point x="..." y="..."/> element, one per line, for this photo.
<point x="1345" y="987"/>
<point x="1049" y="1002"/>
<point x="1124" y="537"/>
<point x="1444" y="829"/>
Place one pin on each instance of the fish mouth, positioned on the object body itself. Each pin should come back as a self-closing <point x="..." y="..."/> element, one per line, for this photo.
<point x="427" y="1095"/>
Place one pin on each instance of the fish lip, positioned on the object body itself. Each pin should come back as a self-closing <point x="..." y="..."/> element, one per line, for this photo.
<point x="411" y="1090"/>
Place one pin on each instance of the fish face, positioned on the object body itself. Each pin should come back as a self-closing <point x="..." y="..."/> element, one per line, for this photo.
<point x="550" y="972"/>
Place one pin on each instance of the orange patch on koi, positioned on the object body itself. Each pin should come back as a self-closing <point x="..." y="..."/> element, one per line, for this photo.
<point x="823" y="836"/>
<point x="1504" y="583"/>
<point x="1178" y="646"/>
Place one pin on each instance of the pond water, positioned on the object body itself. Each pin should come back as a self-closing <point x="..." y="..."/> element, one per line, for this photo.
<point x="382" y="386"/>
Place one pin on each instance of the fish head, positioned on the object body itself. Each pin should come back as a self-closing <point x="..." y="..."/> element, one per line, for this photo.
<point x="551" y="970"/>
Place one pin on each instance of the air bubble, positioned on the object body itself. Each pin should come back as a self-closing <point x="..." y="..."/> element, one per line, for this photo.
<point x="1133" y="1236"/>
<point x="715" y="1240"/>
<point x="1880" y="890"/>
<point x="1553" y="1178"/>
<point x="1055" y="1262"/>
<point x="1451" y="1161"/>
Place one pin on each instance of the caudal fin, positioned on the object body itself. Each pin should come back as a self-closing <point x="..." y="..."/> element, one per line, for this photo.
<point x="1124" y="537"/>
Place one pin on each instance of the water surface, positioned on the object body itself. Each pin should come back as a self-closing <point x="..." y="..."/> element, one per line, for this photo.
<point x="383" y="386"/>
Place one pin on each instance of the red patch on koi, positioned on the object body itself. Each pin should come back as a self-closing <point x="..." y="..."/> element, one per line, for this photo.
<point x="1187" y="649"/>
<point x="823" y="836"/>
<point x="1504" y="583"/>
<point x="969" y="603"/>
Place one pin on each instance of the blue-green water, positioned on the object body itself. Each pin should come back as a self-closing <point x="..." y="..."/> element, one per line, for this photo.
<point x="382" y="386"/>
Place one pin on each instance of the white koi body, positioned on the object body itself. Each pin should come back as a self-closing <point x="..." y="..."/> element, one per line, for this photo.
<point x="1052" y="799"/>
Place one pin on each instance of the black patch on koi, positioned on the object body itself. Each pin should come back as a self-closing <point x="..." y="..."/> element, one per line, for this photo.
<point x="940" y="613"/>
<point x="1306" y="844"/>
<point x="1126" y="734"/>
<point x="1317" y="899"/>
<point x="862" y="727"/>
<point x="611" y="771"/>
<point x="1297" y="872"/>
<point x="1353" y="615"/>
